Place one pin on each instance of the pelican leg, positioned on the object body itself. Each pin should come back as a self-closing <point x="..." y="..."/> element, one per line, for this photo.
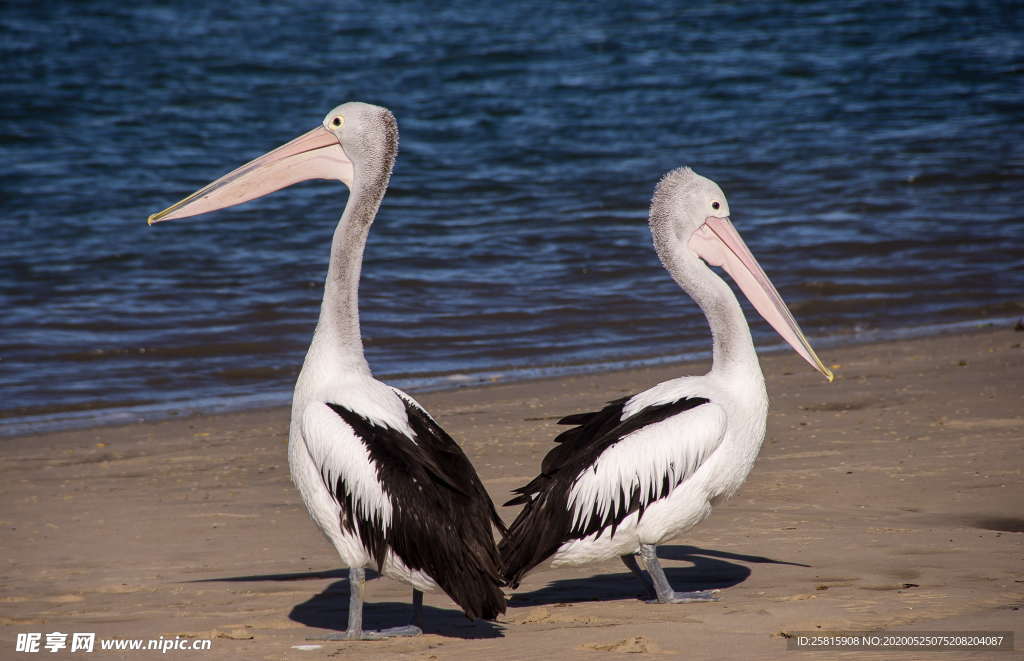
<point x="648" y="555"/>
<point x="417" y="609"/>
<point x="355" y="631"/>
<point x="631" y="564"/>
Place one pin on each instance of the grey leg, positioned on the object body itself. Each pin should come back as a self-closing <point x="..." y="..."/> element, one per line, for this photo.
<point x="666" y="595"/>
<point x="630" y="562"/>
<point x="417" y="609"/>
<point x="355" y="631"/>
<point x="356" y="591"/>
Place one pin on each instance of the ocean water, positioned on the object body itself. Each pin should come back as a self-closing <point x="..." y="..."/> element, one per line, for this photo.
<point x="873" y="155"/>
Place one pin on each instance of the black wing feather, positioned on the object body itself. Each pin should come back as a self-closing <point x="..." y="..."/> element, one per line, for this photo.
<point x="545" y="522"/>
<point x="441" y="513"/>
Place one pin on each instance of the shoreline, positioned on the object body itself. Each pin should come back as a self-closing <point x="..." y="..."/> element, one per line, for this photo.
<point x="88" y="418"/>
<point x="889" y="499"/>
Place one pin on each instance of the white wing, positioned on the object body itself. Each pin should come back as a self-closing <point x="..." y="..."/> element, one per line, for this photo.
<point x="339" y="454"/>
<point x="645" y="464"/>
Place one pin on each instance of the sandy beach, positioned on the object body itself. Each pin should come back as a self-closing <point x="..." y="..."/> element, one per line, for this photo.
<point x="890" y="499"/>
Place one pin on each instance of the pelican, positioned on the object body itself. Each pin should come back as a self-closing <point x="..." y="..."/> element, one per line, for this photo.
<point x="646" y="468"/>
<point x="385" y="483"/>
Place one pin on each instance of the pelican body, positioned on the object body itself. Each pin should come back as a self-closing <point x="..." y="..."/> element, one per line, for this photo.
<point x="646" y="468"/>
<point x="383" y="481"/>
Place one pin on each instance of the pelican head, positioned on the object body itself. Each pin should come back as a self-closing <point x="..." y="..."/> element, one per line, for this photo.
<point x="690" y="225"/>
<point x="351" y="135"/>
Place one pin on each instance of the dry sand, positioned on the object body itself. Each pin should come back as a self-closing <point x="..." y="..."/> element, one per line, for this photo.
<point x="890" y="499"/>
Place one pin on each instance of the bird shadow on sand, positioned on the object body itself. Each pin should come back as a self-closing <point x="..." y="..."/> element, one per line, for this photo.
<point x="709" y="570"/>
<point x="329" y="608"/>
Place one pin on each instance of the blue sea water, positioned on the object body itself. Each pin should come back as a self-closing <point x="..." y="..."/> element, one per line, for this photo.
<point x="873" y="154"/>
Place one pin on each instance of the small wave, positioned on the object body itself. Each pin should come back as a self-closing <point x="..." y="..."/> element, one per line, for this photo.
<point x="40" y="420"/>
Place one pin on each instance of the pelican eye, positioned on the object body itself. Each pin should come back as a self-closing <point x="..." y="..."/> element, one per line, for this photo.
<point x="337" y="121"/>
<point x="715" y="205"/>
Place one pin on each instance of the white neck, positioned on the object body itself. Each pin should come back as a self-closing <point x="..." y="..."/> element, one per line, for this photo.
<point x="337" y="332"/>
<point x="733" y="353"/>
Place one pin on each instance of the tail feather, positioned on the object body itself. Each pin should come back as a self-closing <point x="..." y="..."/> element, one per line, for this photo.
<point x="534" y="536"/>
<point x="478" y="593"/>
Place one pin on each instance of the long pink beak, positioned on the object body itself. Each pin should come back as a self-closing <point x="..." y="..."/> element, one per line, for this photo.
<point x="719" y="244"/>
<point x="313" y="155"/>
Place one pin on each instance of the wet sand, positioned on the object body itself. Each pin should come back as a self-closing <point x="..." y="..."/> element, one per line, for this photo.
<point x="890" y="499"/>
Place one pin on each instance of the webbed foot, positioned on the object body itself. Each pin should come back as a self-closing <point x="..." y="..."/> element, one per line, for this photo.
<point x="685" y="597"/>
<point x="370" y="634"/>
